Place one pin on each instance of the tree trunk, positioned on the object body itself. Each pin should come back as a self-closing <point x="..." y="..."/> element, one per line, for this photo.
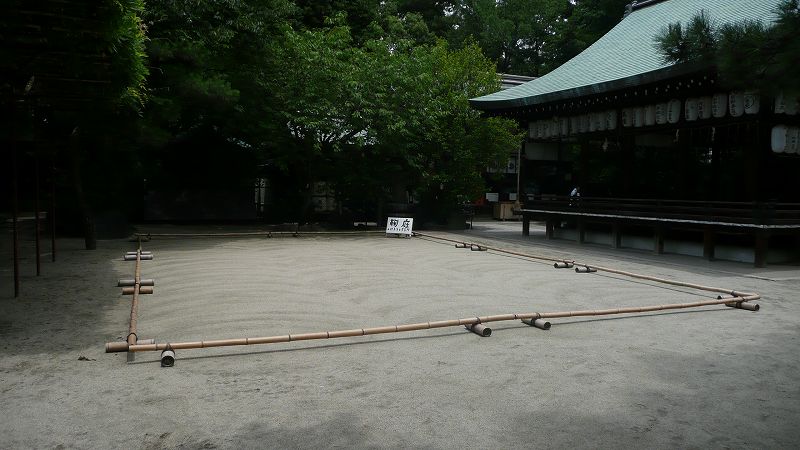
<point x="89" y="235"/>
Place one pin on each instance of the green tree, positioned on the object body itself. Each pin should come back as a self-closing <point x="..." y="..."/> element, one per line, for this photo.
<point x="367" y="118"/>
<point x="583" y="23"/>
<point x="747" y="54"/>
<point x="76" y="76"/>
<point x="513" y="33"/>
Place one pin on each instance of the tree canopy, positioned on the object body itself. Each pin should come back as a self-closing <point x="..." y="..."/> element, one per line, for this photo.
<point x="747" y="54"/>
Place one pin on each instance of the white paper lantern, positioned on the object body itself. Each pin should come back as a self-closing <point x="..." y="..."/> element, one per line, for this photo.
<point x="650" y="115"/>
<point x="627" y="117"/>
<point x="719" y="105"/>
<point x="736" y="103"/>
<point x="780" y="103"/>
<point x="691" y="109"/>
<point x="779" y="138"/>
<point x="661" y="113"/>
<point x="584" y="125"/>
<point x="791" y="105"/>
<point x="752" y="102"/>
<point x="673" y="110"/>
<point x="704" y="107"/>
<point x="792" y="140"/>
<point x="611" y="119"/>
<point x="600" y="121"/>
<point x="638" y="117"/>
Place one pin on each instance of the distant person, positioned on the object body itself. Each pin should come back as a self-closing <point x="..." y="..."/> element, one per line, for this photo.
<point x="574" y="195"/>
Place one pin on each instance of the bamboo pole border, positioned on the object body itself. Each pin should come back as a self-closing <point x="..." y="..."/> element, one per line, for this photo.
<point x="132" y="346"/>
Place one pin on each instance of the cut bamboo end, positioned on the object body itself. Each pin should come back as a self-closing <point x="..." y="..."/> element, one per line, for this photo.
<point x="477" y="248"/>
<point x="563" y="265"/>
<point x="538" y="323"/>
<point x="168" y="358"/>
<point x="585" y="269"/>
<point x="479" y="329"/>
<point x="142" y="290"/>
<point x="145" y="341"/>
<point x="743" y="305"/>
<point x="462" y="245"/>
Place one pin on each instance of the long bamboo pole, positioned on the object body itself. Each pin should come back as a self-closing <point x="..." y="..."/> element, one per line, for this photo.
<point x="113" y="347"/>
<point x="256" y="233"/>
<point x="599" y="268"/>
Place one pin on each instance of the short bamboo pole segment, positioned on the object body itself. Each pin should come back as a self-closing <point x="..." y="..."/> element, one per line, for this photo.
<point x="112" y="347"/>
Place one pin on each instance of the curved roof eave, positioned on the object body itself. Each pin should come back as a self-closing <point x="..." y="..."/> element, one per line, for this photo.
<point x="626" y="55"/>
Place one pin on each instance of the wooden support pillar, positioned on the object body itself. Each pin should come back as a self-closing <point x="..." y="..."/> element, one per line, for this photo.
<point x="37" y="230"/>
<point x="761" y="248"/>
<point x="53" y="212"/>
<point x="709" y="242"/>
<point x="526" y="224"/>
<point x="550" y="225"/>
<point x="581" y="230"/>
<point x="616" y="235"/>
<point x="14" y="205"/>
<point x="658" y="239"/>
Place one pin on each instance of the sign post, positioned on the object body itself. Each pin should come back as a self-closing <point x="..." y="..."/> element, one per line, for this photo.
<point x="399" y="226"/>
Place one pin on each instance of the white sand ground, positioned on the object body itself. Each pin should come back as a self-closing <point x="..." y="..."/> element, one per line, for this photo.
<point x="708" y="378"/>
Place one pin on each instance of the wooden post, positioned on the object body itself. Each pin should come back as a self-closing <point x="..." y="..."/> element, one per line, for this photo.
<point x="616" y="235"/>
<point x="550" y="226"/>
<point x="761" y="248"/>
<point x="658" y="239"/>
<point x="36" y="216"/>
<point x="709" y="239"/>
<point x="526" y="224"/>
<point x="581" y="230"/>
<point x="14" y="209"/>
<point x="53" y="212"/>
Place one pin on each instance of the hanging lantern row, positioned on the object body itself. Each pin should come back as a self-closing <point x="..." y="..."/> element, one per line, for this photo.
<point x="737" y="104"/>
<point x="785" y="139"/>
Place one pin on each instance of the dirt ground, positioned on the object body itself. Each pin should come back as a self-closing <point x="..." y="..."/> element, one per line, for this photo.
<point x="712" y="377"/>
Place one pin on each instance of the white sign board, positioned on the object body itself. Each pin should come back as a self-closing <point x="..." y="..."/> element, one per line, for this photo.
<point x="399" y="225"/>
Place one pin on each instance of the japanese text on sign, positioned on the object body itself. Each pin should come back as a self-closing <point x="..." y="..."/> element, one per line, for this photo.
<point x="399" y="225"/>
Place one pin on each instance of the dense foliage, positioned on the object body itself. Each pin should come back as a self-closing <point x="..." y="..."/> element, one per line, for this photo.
<point x="747" y="54"/>
<point x="368" y="96"/>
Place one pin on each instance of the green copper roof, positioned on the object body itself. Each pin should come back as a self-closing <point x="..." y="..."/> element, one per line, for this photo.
<point x="626" y="55"/>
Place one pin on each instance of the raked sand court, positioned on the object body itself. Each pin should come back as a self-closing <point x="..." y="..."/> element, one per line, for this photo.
<point x="707" y="377"/>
